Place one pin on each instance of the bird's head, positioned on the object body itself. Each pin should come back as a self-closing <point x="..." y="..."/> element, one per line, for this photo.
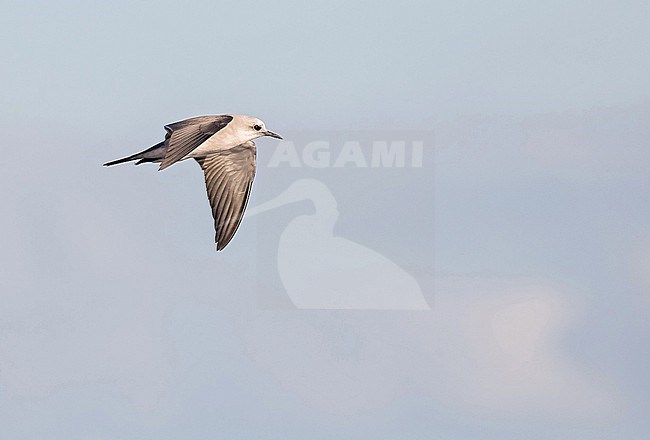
<point x="252" y="128"/>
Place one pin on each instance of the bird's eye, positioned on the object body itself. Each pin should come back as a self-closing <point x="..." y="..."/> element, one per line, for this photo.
<point x="257" y="127"/>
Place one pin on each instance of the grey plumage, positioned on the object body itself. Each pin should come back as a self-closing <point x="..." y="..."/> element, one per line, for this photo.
<point x="228" y="180"/>
<point x="223" y="146"/>
<point x="184" y="136"/>
<point x="153" y="154"/>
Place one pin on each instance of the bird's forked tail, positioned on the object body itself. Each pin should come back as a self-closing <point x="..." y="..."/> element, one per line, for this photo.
<point x="153" y="154"/>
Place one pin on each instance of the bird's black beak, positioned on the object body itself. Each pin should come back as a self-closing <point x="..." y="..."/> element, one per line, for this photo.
<point x="273" y="135"/>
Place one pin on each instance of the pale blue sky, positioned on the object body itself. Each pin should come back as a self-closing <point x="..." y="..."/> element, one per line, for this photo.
<point x="527" y="227"/>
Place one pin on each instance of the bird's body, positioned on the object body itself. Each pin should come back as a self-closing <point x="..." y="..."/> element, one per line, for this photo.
<point x="224" y="148"/>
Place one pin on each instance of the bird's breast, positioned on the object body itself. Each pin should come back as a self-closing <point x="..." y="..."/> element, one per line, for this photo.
<point x="224" y="139"/>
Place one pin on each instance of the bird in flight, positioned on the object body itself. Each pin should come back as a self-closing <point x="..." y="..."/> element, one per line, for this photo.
<point x="224" y="148"/>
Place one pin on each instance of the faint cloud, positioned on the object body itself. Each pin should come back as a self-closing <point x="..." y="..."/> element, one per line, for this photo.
<point x="489" y="346"/>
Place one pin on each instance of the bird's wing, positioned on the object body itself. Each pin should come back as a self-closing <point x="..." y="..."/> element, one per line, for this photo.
<point x="228" y="179"/>
<point x="184" y="136"/>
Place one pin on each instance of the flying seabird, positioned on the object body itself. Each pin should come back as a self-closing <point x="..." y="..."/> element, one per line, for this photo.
<point x="224" y="148"/>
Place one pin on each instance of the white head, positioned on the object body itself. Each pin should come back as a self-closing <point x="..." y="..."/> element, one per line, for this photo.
<point x="251" y="127"/>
